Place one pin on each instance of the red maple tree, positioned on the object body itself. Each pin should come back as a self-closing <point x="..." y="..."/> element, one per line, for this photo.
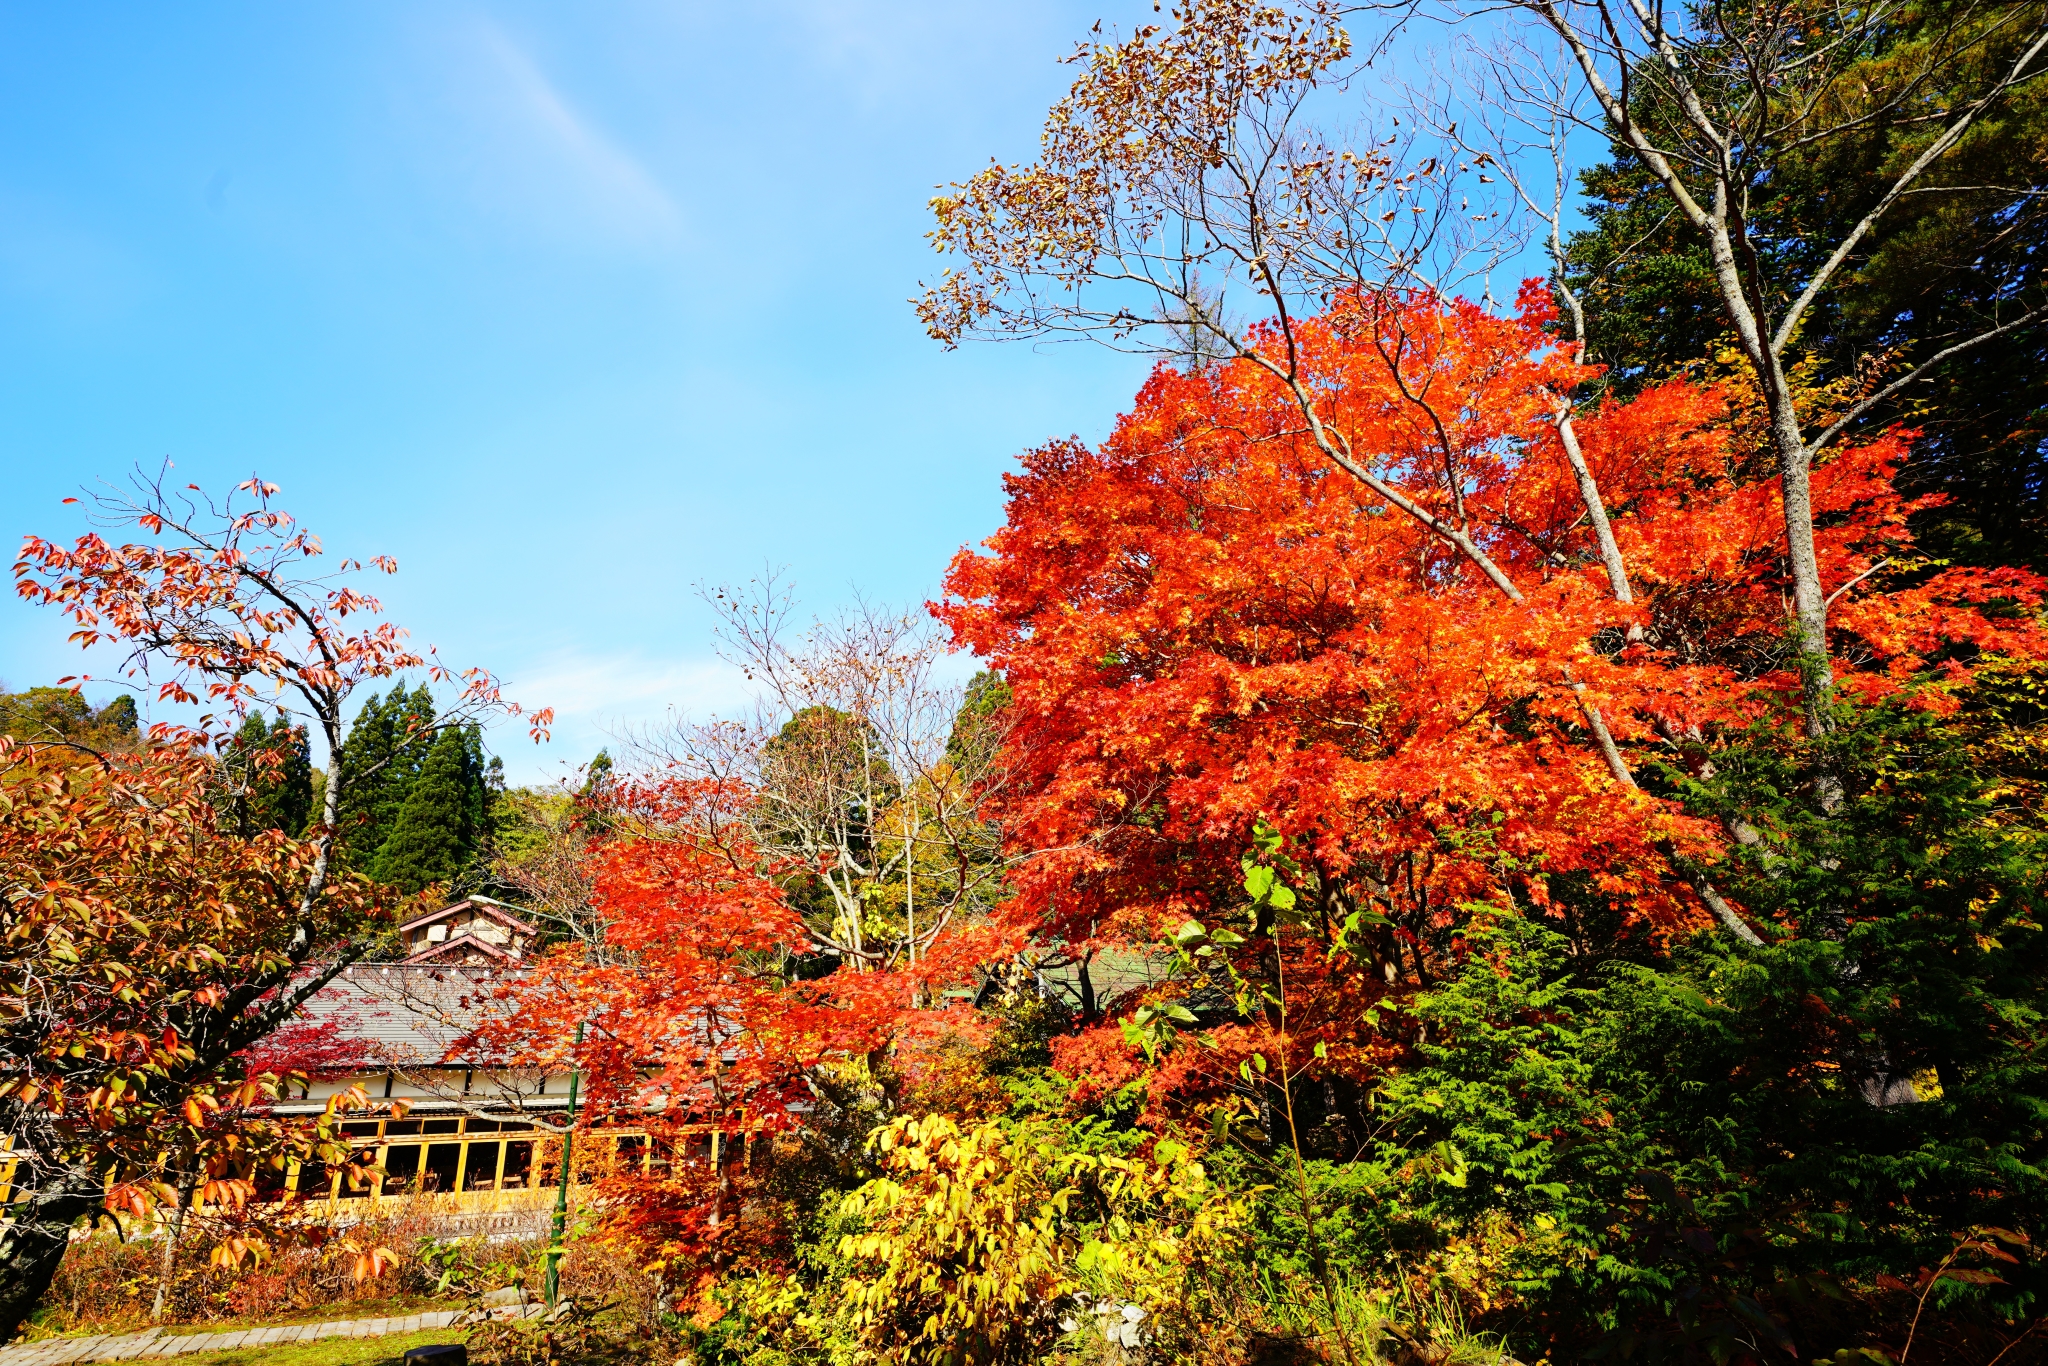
<point x="1429" y="686"/>
<point x="699" y="1014"/>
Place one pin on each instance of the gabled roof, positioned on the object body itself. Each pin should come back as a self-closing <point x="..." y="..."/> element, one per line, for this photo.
<point x="464" y="942"/>
<point x="496" y="910"/>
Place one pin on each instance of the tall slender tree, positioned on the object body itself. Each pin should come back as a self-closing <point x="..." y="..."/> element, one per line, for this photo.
<point x="269" y="772"/>
<point x="435" y="833"/>
<point x="380" y="761"/>
<point x="1960" y="254"/>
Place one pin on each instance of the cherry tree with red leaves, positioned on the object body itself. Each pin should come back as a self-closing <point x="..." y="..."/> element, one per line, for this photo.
<point x="222" y="606"/>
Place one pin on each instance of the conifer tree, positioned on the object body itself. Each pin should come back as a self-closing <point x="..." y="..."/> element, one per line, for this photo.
<point x="364" y="767"/>
<point x="270" y="772"/>
<point x="285" y="797"/>
<point x="243" y="770"/>
<point x="380" y="761"/>
<point x="435" y="832"/>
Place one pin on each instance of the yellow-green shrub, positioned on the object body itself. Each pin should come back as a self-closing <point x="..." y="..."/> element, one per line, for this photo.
<point x="981" y="1246"/>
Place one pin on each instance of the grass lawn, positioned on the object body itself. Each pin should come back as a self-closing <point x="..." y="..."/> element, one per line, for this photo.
<point x="329" y="1351"/>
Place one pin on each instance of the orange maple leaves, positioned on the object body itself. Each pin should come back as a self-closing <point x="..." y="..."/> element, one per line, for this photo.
<point x="1204" y="622"/>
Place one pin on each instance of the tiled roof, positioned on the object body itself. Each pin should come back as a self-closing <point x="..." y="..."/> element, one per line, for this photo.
<point x="406" y="1014"/>
<point x="464" y="942"/>
<point x="1112" y="973"/>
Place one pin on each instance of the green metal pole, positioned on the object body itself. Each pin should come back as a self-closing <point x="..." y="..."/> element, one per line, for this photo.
<point x="553" y="1281"/>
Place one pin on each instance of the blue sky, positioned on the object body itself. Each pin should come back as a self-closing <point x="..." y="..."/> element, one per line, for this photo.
<point x="566" y="307"/>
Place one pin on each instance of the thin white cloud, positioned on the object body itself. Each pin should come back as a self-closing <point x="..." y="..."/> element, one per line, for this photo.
<point x="612" y="177"/>
<point x="597" y="689"/>
<point x="510" y="141"/>
<point x="601" y="700"/>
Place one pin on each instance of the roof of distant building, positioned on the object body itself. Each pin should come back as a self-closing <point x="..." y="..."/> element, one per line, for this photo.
<point x="406" y="1014"/>
<point x="461" y="945"/>
<point x="497" y="910"/>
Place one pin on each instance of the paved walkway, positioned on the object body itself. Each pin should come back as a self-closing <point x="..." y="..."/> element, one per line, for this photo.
<point x="157" y="1343"/>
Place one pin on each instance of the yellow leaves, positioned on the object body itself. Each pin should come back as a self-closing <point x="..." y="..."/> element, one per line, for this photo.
<point x="229" y="1253"/>
<point x="974" y="1231"/>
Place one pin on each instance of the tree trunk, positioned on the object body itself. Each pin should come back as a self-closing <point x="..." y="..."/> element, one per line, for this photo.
<point x="1809" y="600"/>
<point x="1738" y="277"/>
<point x="169" y="1262"/>
<point x="33" y="1244"/>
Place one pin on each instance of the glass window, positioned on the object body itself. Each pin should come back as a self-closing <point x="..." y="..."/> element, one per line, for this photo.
<point x="440" y="1167"/>
<point x="483" y="1168"/>
<point x="402" y="1168"/>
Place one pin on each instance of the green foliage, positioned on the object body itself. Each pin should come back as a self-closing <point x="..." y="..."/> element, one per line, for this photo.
<point x="417" y="805"/>
<point x="597" y="774"/>
<point x="380" y="760"/>
<point x="437" y="830"/>
<point x="1723" y="1145"/>
<point x="1950" y="261"/>
<point x="977" y="727"/>
<point x="270" y="773"/>
<point x="46" y="715"/>
<point x="1684" y="1153"/>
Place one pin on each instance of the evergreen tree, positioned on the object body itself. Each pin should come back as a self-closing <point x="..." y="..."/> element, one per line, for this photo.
<point x="483" y="779"/>
<point x="243" y="770"/>
<point x="285" y="796"/>
<point x="380" y="761"/>
<point x="364" y="764"/>
<point x="493" y="790"/>
<point x="270" y="773"/>
<point x="435" y="831"/>
<point x="977" y="726"/>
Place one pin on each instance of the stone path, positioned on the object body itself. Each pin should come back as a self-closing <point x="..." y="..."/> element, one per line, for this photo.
<point x="156" y="1343"/>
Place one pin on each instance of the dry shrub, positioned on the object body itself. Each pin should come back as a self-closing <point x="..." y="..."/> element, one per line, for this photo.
<point x="96" y="1286"/>
<point x="600" y="1272"/>
<point x="106" y="1284"/>
<point x="618" y="1315"/>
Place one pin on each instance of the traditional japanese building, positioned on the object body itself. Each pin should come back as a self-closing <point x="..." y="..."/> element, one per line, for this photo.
<point x="475" y="930"/>
<point x="478" y="1143"/>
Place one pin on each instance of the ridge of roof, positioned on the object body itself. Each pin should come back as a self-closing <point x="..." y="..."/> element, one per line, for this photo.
<point x="427" y="955"/>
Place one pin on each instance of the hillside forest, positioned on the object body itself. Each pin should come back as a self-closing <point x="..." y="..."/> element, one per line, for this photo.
<point x="1486" y="822"/>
